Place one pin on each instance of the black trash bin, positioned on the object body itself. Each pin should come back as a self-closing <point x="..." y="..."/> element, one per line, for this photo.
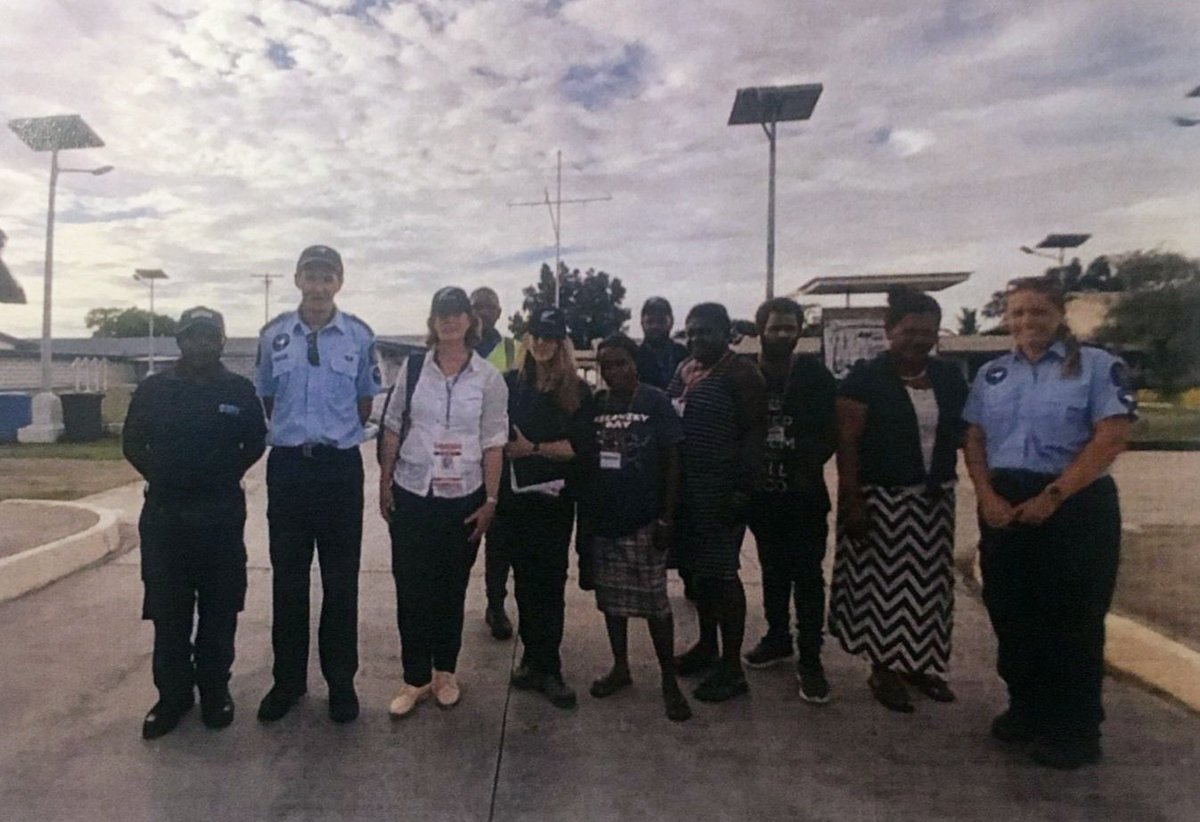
<point x="81" y="417"/>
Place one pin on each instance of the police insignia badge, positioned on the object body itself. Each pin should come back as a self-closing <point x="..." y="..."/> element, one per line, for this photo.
<point x="281" y="342"/>
<point x="995" y="375"/>
<point x="377" y="375"/>
<point x="1122" y="380"/>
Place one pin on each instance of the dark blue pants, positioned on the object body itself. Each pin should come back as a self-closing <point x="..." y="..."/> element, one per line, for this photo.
<point x="791" y="548"/>
<point x="193" y="565"/>
<point x="315" y="502"/>
<point x="1047" y="590"/>
<point x="536" y="532"/>
<point x="431" y="564"/>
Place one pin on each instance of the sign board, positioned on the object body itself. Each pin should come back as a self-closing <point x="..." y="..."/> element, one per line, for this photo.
<point x="850" y="335"/>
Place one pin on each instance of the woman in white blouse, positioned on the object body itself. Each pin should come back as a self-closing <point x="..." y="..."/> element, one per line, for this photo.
<point x="438" y="485"/>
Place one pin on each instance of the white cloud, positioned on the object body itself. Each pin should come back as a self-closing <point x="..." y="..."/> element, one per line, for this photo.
<point x="242" y="131"/>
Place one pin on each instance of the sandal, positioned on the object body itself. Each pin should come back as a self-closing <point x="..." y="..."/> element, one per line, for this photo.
<point x="889" y="691"/>
<point x="609" y="684"/>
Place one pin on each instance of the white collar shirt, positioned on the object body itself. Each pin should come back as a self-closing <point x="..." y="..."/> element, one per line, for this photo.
<point x="470" y="407"/>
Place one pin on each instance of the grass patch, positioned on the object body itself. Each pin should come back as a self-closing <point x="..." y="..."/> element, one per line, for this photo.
<point x="108" y="448"/>
<point x="1173" y="424"/>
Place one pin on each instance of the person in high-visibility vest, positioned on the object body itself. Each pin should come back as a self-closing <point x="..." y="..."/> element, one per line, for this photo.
<point x="501" y="352"/>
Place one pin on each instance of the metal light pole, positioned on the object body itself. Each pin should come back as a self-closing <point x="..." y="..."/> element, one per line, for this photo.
<point x="149" y="275"/>
<point x="768" y="106"/>
<point x="266" y="281"/>
<point x="1059" y="243"/>
<point x="53" y="134"/>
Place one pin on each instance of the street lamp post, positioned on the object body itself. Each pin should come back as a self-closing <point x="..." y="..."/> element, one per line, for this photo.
<point x="1059" y="242"/>
<point x="53" y="134"/>
<point x="148" y="276"/>
<point x="769" y="106"/>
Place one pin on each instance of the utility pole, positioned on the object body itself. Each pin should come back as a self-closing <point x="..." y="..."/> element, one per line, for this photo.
<point x="266" y="281"/>
<point x="555" y="208"/>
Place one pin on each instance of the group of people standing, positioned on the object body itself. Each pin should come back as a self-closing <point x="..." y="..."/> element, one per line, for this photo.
<point x="487" y="439"/>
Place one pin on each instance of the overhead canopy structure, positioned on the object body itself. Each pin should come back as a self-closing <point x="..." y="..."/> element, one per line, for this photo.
<point x="1064" y="240"/>
<point x="881" y="283"/>
<point x="56" y="133"/>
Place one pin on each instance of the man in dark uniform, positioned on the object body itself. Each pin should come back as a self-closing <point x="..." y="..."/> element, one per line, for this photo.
<point x="192" y="431"/>
<point x="658" y="355"/>
<point x="317" y="377"/>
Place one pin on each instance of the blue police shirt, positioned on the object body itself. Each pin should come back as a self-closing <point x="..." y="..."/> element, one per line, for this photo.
<point x="1036" y="419"/>
<point x="316" y="403"/>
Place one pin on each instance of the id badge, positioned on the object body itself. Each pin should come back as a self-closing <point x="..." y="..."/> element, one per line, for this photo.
<point x="448" y="467"/>
<point x="776" y="436"/>
<point x="610" y="460"/>
<point x="680" y="405"/>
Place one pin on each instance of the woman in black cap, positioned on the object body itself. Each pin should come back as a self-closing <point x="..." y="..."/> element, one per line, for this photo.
<point x="439" y="481"/>
<point x="722" y="401"/>
<point x="899" y="419"/>
<point x="549" y="409"/>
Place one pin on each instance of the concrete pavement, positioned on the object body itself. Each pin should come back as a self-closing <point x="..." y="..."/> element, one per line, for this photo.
<point x="76" y="683"/>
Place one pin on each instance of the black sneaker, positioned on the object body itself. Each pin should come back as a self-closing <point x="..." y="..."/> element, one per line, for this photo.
<point x="558" y="692"/>
<point x="768" y="652"/>
<point x="1065" y="753"/>
<point x="1012" y="729"/>
<point x="343" y="704"/>
<point x="216" y="708"/>
<point x="524" y="679"/>
<point x="814" y="687"/>
<point x="722" y="684"/>
<point x="277" y="703"/>
<point x="165" y="715"/>
<point x="498" y="622"/>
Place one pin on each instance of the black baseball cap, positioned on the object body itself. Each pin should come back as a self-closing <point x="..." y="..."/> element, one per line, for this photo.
<point x="657" y="305"/>
<point x="548" y="323"/>
<point x="320" y="254"/>
<point x="200" y="316"/>
<point x="450" y="300"/>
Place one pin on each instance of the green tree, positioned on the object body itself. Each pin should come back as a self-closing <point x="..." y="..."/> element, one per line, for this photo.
<point x="968" y="321"/>
<point x="1159" y="316"/>
<point x="591" y="303"/>
<point x="128" y="322"/>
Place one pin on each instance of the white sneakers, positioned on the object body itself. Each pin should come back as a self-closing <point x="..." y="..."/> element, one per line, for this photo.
<point x="407" y="699"/>
<point x="444" y="688"/>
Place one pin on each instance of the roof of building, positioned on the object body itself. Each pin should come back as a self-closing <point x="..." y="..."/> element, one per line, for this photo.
<point x="880" y="283"/>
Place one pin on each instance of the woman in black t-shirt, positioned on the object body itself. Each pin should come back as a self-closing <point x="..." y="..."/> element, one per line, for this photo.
<point x="550" y="412"/>
<point x="631" y="485"/>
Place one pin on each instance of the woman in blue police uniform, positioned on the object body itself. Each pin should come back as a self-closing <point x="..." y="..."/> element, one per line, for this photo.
<point x="1046" y="422"/>
<point x="316" y="375"/>
<point x="192" y="431"/>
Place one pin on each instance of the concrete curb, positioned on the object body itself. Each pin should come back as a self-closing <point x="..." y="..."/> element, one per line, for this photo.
<point x="40" y="566"/>
<point x="1134" y="651"/>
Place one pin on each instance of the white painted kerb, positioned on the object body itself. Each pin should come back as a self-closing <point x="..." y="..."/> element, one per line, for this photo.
<point x="38" y="567"/>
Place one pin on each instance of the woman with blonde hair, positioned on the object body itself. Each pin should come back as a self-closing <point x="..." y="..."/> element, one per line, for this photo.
<point x="1046" y="422"/>
<point x="549" y="409"/>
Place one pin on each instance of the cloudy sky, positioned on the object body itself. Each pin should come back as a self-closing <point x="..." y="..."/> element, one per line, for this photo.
<point x="950" y="132"/>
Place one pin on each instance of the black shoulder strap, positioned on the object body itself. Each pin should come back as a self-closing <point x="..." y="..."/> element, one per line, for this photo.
<point x="413" y="365"/>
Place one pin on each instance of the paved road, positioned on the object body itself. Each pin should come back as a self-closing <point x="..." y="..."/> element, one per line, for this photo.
<point x="75" y="681"/>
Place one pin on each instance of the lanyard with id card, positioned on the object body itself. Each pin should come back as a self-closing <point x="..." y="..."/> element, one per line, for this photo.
<point x="448" y="479"/>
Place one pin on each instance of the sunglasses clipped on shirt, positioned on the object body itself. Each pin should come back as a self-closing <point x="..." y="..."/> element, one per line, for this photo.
<point x="314" y="356"/>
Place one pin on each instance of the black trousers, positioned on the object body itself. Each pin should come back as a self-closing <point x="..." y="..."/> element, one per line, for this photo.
<point x="791" y="548"/>
<point x="431" y="564"/>
<point x="496" y="563"/>
<point x="193" y="564"/>
<point x="315" y="502"/>
<point x="1047" y="590"/>
<point x="536" y="532"/>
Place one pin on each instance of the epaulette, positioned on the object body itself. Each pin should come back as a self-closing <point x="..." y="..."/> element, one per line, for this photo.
<point x="354" y="318"/>
<point x="273" y="320"/>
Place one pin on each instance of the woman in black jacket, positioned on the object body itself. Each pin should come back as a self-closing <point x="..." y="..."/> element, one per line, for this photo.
<point x="899" y="420"/>
<point x="549" y="410"/>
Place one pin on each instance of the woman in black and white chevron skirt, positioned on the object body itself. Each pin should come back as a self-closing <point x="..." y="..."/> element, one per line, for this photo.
<point x="899" y="429"/>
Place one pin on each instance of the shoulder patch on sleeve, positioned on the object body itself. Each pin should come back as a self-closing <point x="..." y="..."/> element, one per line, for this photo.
<point x="995" y="374"/>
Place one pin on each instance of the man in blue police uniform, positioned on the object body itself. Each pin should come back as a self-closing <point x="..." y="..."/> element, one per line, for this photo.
<point x="192" y="431"/>
<point x="317" y="376"/>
